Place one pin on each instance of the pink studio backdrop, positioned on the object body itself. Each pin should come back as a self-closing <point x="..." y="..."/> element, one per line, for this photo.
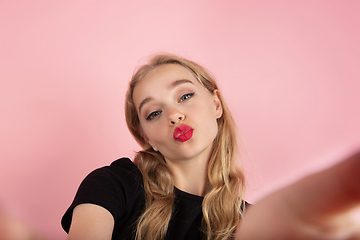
<point x="289" y="71"/>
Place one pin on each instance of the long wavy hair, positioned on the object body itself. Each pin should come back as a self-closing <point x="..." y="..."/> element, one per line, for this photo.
<point x="223" y="203"/>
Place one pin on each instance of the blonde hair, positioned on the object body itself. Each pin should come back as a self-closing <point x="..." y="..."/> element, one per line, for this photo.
<point x="222" y="205"/>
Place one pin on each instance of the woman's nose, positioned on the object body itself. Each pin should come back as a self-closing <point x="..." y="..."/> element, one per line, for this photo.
<point x="175" y="116"/>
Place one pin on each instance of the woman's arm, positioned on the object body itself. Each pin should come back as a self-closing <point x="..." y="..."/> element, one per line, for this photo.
<point x="324" y="205"/>
<point x="91" y="222"/>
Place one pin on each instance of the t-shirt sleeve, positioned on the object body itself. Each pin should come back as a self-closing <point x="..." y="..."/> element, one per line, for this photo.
<point x="111" y="187"/>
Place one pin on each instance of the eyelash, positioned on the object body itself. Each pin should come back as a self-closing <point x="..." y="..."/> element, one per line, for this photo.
<point x="153" y="115"/>
<point x="183" y="98"/>
<point x="188" y="95"/>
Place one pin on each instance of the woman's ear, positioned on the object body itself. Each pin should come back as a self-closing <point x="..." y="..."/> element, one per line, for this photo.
<point x="218" y="104"/>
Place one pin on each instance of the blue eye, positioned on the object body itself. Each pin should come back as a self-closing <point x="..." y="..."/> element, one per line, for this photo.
<point x="153" y="115"/>
<point x="186" y="96"/>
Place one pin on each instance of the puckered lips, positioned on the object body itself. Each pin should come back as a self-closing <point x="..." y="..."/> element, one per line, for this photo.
<point x="183" y="133"/>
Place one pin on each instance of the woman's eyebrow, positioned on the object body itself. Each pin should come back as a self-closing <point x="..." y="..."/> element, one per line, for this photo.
<point x="171" y="86"/>
<point x="143" y="102"/>
<point x="179" y="82"/>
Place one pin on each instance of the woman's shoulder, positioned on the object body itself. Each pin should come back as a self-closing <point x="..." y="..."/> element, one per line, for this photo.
<point x="117" y="187"/>
<point x="121" y="180"/>
<point x="124" y="163"/>
<point x="121" y="170"/>
<point x="121" y="164"/>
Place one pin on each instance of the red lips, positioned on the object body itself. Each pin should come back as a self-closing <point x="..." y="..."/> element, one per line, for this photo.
<point x="183" y="133"/>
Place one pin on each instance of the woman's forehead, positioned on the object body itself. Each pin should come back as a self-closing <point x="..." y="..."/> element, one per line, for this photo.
<point x="165" y="76"/>
<point x="168" y="70"/>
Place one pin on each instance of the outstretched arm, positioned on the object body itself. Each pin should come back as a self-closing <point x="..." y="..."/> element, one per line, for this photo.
<point x="324" y="205"/>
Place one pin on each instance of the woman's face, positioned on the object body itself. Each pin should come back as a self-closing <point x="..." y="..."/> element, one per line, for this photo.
<point x="177" y="114"/>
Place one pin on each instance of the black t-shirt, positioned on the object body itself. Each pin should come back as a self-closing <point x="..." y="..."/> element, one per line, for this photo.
<point x="119" y="189"/>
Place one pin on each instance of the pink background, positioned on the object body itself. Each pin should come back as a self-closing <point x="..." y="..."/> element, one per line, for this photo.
<point x="289" y="71"/>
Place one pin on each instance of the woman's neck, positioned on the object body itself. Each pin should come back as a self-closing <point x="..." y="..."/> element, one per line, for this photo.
<point x="190" y="175"/>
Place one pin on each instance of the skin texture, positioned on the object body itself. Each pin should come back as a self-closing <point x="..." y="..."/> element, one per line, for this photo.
<point x="91" y="222"/>
<point x="324" y="205"/>
<point x="171" y="103"/>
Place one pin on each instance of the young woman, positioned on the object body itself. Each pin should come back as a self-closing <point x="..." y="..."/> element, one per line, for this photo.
<point x="185" y="183"/>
